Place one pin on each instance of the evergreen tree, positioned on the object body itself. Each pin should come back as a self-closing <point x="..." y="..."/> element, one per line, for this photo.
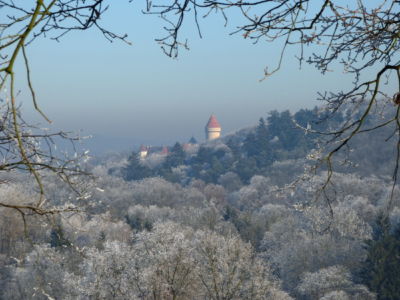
<point x="176" y="157"/>
<point x="381" y="269"/>
<point x="304" y="117"/>
<point x="135" y="170"/>
<point x="204" y="155"/>
<point x="257" y="145"/>
<point x="217" y="169"/>
<point x="262" y="134"/>
<point x="235" y="148"/>
<point x="264" y="151"/>
<point x="246" y="168"/>
<point x="192" y="140"/>
<point x="57" y="238"/>
<point x="308" y="118"/>
<point x="250" y="145"/>
<point x="281" y="125"/>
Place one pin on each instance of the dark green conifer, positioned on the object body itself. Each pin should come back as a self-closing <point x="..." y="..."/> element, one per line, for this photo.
<point x="381" y="269"/>
<point x="176" y="156"/>
<point x="135" y="170"/>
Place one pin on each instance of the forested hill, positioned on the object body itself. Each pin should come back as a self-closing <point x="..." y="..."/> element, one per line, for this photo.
<point x="276" y="147"/>
<point x="221" y="219"/>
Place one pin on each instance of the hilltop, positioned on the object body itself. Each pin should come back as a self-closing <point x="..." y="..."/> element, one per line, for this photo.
<point x="277" y="147"/>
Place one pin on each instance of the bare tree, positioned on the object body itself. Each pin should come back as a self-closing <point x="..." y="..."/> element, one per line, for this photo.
<point x="360" y="37"/>
<point x="23" y="146"/>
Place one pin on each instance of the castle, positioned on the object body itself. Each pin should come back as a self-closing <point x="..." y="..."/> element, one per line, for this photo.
<point x="212" y="129"/>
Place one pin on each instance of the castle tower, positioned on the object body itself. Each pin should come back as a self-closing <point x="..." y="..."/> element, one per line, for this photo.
<point x="213" y="129"/>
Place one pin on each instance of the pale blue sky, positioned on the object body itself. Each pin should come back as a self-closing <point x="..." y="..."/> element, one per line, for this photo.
<point x="128" y="95"/>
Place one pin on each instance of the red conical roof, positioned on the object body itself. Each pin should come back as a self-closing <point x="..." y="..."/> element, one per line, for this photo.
<point x="213" y="123"/>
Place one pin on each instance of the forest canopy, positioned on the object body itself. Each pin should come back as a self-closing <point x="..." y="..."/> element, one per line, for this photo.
<point x="220" y="220"/>
<point x="360" y="36"/>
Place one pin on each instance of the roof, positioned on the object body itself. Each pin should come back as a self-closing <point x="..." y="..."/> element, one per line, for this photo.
<point x="143" y="148"/>
<point x="213" y="123"/>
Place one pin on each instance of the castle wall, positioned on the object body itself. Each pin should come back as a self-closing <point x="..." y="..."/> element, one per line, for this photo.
<point x="142" y="154"/>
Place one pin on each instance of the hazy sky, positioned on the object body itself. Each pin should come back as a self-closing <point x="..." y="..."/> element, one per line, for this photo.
<point x="128" y="95"/>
